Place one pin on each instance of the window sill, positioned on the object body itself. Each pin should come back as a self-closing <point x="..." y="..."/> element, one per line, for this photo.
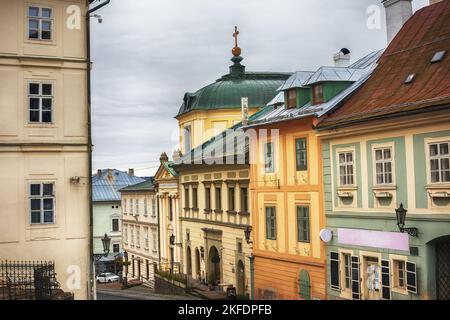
<point x="232" y="212"/>
<point x="244" y="213"/>
<point x="347" y="188"/>
<point x="195" y="209"/>
<point x="186" y="209"/>
<point x="400" y="291"/>
<point x="207" y="211"/>
<point x="218" y="211"/>
<point x="384" y="187"/>
<point x="438" y="186"/>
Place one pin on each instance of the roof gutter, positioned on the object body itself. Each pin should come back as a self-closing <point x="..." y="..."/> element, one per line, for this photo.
<point x="91" y="281"/>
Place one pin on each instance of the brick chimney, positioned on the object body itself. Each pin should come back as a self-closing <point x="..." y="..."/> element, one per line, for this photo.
<point x="397" y="13"/>
<point x="99" y="172"/>
<point x="131" y="172"/>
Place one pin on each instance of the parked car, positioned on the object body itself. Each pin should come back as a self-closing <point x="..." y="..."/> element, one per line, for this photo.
<point x="107" y="278"/>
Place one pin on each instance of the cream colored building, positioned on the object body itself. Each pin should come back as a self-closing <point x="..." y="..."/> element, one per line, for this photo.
<point x="166" y="180"/>
<point x="140" y="230"/>
<point x="44" y="156"/>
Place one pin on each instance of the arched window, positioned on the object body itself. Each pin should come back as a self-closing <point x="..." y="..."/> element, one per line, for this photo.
<point x="304" y="285"/>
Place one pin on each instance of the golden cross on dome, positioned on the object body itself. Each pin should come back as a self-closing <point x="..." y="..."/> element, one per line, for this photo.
<point x="235" y="35"/>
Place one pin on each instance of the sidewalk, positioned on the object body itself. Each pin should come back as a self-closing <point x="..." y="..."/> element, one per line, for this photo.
<point x="114" y="291"/>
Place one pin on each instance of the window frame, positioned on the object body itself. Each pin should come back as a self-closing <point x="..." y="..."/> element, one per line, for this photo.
<point x="112" y="224"/>
<point x="274" y="222"/>
<point x="41" y="197"/>
<point x="383" y="161"/>
<point x="428" y="143"/>
<point x="346" y="164"/>
<point x="394" y="259"/>
<point x="231" y="198"/>
<point x="244" y="199"/>
<point x="218" y="198"/>
<point x="316" y="98"/>
<point x="40" y="19"/>
<point x="269" y="169"/>
<point x="291" y="98"/>
<point x="208" y="198"/>
<point x="301" y="167"/>
<point x="301" y="229"/>
<point x="40" y="97"/>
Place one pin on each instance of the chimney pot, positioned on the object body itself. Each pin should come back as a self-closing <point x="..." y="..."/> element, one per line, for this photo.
<point x="99" y="172"/>
<point x="342" y="58"/>
<point x="131" y="172"/>
<point x="397" y="13"/>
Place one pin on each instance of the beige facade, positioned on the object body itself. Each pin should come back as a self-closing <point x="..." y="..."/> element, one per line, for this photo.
<point x="140" y="231"/>
<point x="44" y="162"/>
<point x="166" y="181"/>
<point x="215" y="214"/>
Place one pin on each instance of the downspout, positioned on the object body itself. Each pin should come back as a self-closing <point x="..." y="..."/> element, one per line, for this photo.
<point x="159" y="227"/>
<point x="91" y="283"/>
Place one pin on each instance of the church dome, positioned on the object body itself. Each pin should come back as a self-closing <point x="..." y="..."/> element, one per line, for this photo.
<point x="226" y="92"/>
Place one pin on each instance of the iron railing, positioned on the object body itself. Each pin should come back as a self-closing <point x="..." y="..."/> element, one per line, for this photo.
<point x="27" y="280"/>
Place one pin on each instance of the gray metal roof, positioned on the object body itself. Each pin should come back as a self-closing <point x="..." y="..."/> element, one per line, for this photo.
<point x="368" y="60"/>
<point x="296" y="80"/>
<point x="335" y="74"/>
<point x="277" y="100"/>
<point x="105" y="187"/>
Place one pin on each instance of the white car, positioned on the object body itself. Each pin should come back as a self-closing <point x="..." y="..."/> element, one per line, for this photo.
<point x="107" y="278"/>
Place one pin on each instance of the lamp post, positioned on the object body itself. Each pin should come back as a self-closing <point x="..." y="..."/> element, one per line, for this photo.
<point x="248" y="233"/>
<point x="172" y="244"/>
<point x="106" y="242"/>
<point x="401" y="218"/>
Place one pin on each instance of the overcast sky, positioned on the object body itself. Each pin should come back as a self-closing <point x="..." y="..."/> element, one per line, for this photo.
<point x="147" y="54"/>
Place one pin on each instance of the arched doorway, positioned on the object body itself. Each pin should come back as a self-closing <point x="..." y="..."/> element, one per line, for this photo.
<point x="197" y="264"/>
<point x="442" y="246"/>
<point x="240" y="278"/>
<point x="188" y="261"/>
<point x="304" y="283"/>
<point x="214" y="266"/>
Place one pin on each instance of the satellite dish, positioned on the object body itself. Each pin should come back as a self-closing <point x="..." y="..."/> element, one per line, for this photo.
<point x="326" y="235"/>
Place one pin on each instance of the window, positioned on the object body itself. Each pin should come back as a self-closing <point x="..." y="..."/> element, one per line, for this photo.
<point x="132" y="235"/>
<point x="170" y="209"/>
<point x="42" y="203"/>
<point x="383" y="165"/>
<point x="187" y="139"/>
<point x="153" y="207"/>
<point x="137" y="206"/>
<point x="318" y="94"/>
<point x="155" y="239"/>
<point x="186" y="197"/>
<point x="269" y="158"/>
<point x="125" y="233"/>
<point x="239" y="246"/>
<point x="303" y="224"/>
<point x="271" y="223"/>
<point x="145" y="207"/>
<point x="347" y="270"/>
<point x="399" y="275"/>
<point x="218" y="198"/>
<point x="207" y="198"/>
<point x="244" y="200"/>
<point x="40" y="22"/>
<point x="440" y="162"/>
<point x="115" y="225"/>
<point x="231" y="199"/>
<point x="292" y="98"/>
<point x="116" y="248"/>
<point x="194" y="198"/>
<point x="346" y="171"/>
<point x="138" y="236"/>
<point x="146" y="238"/>
<point x="125" y="208"/>
<point x="301" y="154"/>
<point x="40" y="102"/>
<point x="131" y="206"/>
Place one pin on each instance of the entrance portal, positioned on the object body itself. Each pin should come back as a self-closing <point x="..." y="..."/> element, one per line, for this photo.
<point x="214" y="266"/>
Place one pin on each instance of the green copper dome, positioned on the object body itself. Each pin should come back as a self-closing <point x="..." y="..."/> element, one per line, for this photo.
<point x="226" y="92"/>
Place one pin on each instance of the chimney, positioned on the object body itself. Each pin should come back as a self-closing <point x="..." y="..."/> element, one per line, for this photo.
<point x="131" y="172"/>
<point x="99" y="172"/>
<point x="397" y="13"/>
<point x="110" y="175"/>
<point x="342" y="58"/>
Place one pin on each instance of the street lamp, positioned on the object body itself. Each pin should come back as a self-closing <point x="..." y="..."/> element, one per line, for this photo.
<point x="106" y="241"/>
<point x="248" y="232"/>
<point x="172" y="244"/>
<point x="401" y="218"/>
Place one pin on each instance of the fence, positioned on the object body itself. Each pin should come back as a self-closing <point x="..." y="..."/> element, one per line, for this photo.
<point x="27" y="280"/>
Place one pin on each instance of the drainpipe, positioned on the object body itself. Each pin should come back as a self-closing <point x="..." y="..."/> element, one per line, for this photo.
<point x="159" y="228"/>
<point x="91" y="286"/>
<point x="252" y="277"/>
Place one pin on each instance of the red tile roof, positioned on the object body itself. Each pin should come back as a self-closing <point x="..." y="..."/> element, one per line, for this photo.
<point x="411" y="51"/>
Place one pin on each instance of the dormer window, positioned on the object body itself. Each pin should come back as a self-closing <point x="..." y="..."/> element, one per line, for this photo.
<point x="438" y="56"/>
<point x="292" y="98"/>
<point x="318" y="94"/>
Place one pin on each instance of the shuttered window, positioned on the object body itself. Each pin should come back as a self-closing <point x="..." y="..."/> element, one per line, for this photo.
<point x="411" y="277"/>
<point x="305" y="285"/>
<point x="334" y="271"/>
<point x="385" y="280"/>
<point x="356" y="286"/>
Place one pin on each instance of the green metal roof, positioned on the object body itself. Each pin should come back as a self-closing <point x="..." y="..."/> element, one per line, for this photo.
<point x="169" y="167"/>
<point x="143" y="186"/>
<point x="226" y="92"/>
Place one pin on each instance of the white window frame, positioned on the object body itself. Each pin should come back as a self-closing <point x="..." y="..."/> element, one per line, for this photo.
<point x="136" y="203"/>
<point x="125" y="233"/>
<point x="40" y="19"/>
<point x="271" y="169"/>
<point x="428" y="143"/>
<point x="155" y="239"/>
<point x="145" y="207"/>
<point x="138" y="236"/>
<point x="394" y="275"/>
<point x="112" y="224"/>
<point x="40" y="96"/>
<point x="125" y="206"/>
<point x="345" y="292"/>
<point x="383" y="146"/>
<point x="338" y="166"/>
<point x="41" y="197"/>
<point x="132" y="234"/>
<point x="153" y="207"/>
<point x="146" y="240"/>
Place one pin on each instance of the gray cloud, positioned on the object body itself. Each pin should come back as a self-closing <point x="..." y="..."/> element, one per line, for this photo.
<point x="147" y="54"/>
